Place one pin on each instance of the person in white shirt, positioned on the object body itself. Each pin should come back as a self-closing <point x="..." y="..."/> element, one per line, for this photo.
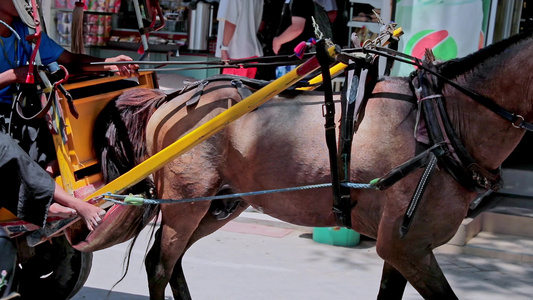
<point x="239" y="22"/>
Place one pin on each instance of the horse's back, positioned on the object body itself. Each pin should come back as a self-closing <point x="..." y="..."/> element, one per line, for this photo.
<point x="187" y="111"/>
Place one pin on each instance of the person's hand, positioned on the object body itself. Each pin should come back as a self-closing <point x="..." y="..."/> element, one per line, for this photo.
<point x="20" y="74"/>
<point x="92" y="215"/>
<point x="127" y="70"/>
<point x="224" y="56"/>
<point x="276" y="45"/>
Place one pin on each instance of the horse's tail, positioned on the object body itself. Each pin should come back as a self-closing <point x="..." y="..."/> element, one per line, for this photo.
<point x="119" y="135"/>
<point x="119" y="139"/>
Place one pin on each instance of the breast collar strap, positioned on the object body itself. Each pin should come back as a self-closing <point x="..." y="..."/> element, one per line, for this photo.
<point x="459" y="163"/>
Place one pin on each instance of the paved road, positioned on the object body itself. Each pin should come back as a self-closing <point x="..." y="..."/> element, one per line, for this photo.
<point x="247" y="261"/>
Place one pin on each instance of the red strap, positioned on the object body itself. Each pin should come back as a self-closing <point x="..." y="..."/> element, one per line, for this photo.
<point x="36" y="38"/>
<point x="155" y="9"/>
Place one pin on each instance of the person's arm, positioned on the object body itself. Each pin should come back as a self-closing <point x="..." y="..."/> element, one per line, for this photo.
<point x="293" y="31"/>
<point x="11" y="76"/>
<point x="229" y="30"/>
<point x="81" y="62"/>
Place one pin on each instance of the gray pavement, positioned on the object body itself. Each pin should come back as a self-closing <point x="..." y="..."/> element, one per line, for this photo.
<point x="252" y="263"/>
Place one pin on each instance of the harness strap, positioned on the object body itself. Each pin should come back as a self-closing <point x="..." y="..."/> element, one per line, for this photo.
<point x="242" y="89"/>
<point x="254" y="83"/>
<point x="457" y="160"/>
<point x="197" y="93"/>
<point x="341" y="196"/>
<point x="348" y="104"/>
<point x="400" y="172"/>
<point x="360" y="80"/>
<point x="419" y="191"/>
<point x="396" y="96"/>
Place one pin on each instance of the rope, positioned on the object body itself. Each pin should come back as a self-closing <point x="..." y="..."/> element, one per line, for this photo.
<point x="139" y="200"/>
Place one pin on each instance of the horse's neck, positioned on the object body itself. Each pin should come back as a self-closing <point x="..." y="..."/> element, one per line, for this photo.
<point x="489" y="137"/>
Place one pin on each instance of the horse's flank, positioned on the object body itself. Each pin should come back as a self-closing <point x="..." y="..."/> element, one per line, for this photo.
<point x="250" y="153"/>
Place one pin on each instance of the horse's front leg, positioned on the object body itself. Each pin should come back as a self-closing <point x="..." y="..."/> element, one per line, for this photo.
<point x="414" y="259"/>
<point x="420" y="268"/>
<point x="392" y="283"/>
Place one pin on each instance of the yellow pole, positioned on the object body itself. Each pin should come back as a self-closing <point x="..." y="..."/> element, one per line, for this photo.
<point x="193" y="138"/>
<point x="333" y="71"/>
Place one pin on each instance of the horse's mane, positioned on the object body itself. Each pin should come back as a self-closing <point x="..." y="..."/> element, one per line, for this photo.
<point x="455" y="67"/>
<point x="119" y="134"/>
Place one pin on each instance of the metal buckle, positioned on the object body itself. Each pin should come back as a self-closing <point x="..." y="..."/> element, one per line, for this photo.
<point x="519" y="118"/>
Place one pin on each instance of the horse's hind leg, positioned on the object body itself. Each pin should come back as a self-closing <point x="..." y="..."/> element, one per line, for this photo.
<point x="178" y="223"/>
<point x="160" y="267"/>
<point x="392" y="283"/>
<point x="151" y="264"/>
<point x="178" y="283"/>
<point x="208" y="225"/>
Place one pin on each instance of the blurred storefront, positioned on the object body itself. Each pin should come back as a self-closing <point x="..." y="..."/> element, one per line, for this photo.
<point x="452" y="28"/>
<point x="456" y="28"/>
<point x="110" y="27"/>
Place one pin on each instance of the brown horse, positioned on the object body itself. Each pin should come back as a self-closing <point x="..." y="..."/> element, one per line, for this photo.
<point x="281" y="144"/>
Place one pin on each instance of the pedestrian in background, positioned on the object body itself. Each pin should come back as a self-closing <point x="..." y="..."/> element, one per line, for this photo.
<point x="296" y="25"/>
<point x="239" y="22"/>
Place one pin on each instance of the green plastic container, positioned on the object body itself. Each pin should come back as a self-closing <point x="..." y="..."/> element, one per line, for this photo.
<point x="336" y="236"/>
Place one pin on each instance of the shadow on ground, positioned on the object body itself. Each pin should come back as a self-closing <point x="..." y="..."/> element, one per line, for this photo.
<point x="101" y="294"/>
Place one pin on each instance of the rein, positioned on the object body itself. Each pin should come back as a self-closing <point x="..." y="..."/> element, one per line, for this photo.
<point x="516" y="120"/>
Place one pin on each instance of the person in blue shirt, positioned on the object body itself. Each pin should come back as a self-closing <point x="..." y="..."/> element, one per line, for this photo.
<point x="33" y="136"/>
<point x="15" y="53"/>
<point x="30" y="192"/>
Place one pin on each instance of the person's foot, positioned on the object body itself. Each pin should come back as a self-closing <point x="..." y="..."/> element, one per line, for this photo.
<point x="58" y="210"/>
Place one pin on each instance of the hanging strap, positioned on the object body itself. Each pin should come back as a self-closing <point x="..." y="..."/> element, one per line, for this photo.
<point x="419" y="191"/>
<point x="341" y="196"/>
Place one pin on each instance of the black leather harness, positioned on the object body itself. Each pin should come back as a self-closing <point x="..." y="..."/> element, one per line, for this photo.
<point x="445" y="147"/>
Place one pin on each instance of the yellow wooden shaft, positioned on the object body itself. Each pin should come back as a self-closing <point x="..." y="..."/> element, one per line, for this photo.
<point x="67" y="176"/>
<point x="193" y="138"/>
<point x="333" y="71"/>
<point x="63" y="160"/>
